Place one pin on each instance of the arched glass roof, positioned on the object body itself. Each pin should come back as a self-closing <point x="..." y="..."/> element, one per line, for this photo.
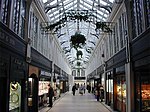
<point x="57" y="9"/>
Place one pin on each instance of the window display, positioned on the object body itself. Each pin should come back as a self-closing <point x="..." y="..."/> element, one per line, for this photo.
<point x="142" y="92"/>
<point x="145" y="93"/>
<point x="121" y="93"/>
<point x="43" y="87"/>
<point x="15" y="97"/>
<point x="43" y="92"/>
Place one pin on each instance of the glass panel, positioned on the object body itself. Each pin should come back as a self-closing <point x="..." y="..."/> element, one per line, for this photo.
<point x="53" y="2"/>
<point x="103" y="3"/>
<point x="4" y="11"/>
<point x="16" y="8"/>
<point x="147" y="4"/>
<point x="15" y="97"/>
<point x="22" y="19"/>
<point x="121" y="32"/>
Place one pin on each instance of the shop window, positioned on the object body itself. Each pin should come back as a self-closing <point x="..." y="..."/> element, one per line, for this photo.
<point x="142" y="92"/>
<point x="121" y="93"/>
<point x="15" y="97"/>
<point x="43" y="91"/>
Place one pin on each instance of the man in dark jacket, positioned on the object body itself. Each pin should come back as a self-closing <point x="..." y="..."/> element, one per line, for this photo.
<point x="74" y="89"/>
<point x="50" y="94"/>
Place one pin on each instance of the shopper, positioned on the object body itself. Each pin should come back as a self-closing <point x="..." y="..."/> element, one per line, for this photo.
<point x="81" y="88"/>
<point x="74" y="89"/>
<point x="101" y="93"/>
<point x="98" y="92"/>
<point x="50" y="94"/>
<point x="84" y="87"/>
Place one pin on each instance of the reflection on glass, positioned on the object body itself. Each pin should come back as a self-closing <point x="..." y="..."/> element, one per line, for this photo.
<point x="15" y="97"/>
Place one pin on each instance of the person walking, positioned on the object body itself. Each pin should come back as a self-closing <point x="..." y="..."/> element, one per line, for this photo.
<point x="101" y="93"/>
<point x="81" y="89"/>
<point x="74" y="89"/>
<point x="84" y="87"/>
<point x="98" y="92"/>
<point x="50" y="94"/>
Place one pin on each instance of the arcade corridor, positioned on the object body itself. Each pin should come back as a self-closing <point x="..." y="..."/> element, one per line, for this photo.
<point x="56" y="44"/>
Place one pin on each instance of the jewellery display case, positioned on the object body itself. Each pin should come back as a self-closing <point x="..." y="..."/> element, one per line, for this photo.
<point x="15" y="97"/>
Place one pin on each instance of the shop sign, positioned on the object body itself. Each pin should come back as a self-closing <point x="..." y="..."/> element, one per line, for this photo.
<point x="33" y="70"/>
<point x="43" y="73"/>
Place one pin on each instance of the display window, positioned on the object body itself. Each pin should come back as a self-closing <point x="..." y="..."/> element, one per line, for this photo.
<point x="43" y="87"/>
<point x="43" y="91"/>
<point x="142" y="92"/>
<point x="121" y="93"/>
<point x="15" y="97"/>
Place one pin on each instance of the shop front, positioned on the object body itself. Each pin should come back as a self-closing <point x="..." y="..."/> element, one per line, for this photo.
<point x="13" y="72"/>
<point x="141" y="72"/>
<point x="120" y="89"/>
<point x="18" y="85"/>
<point x="142" y="89"/>
<point x="39" y="73"/>
<point x="44" y="81"/>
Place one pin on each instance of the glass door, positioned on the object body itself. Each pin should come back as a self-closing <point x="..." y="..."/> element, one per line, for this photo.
<point x="33" y="94"/>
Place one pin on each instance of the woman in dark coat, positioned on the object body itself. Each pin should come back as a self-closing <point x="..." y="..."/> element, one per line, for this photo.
<point x="50" y="94"/>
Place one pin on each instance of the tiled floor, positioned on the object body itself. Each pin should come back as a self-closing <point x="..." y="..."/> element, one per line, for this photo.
<point x="77" y="103"/>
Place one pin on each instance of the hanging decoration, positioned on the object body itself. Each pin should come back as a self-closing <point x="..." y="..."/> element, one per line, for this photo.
<point x="104" y="26"/>
<point x="77" y="40"/>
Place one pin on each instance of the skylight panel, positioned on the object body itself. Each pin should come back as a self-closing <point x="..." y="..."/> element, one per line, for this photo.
<point x="103" y="3"/>
<point x="53" y="2"/>
<point x="44" y="1"/>
<point x="66" y="2"/>
<point x="111" y="1"/>
<point x="56" y="12"/>
<point x="57" y="17"/>
<point x="68" y="5"/>
<point x="99" y="12"/>
<point x="105" y="15"/>
<point x="104" y="19"/>
<point x="87" y="5"/>
<point x="84" y="8"/>
<point x="89" y="1"/>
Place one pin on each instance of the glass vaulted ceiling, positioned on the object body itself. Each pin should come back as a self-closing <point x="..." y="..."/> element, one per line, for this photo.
<point x="59" y="7"/>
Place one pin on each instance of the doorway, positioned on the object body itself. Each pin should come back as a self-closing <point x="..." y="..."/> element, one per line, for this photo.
<point x="33" y="93"/>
